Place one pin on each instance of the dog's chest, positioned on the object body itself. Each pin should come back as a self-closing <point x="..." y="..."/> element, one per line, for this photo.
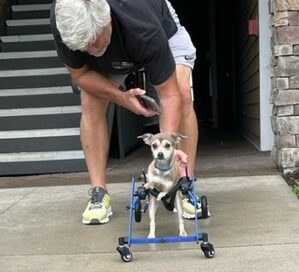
<point x="163" y="181"/>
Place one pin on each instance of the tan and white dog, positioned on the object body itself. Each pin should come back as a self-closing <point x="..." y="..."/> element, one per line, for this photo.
<point x="162" y="174"/>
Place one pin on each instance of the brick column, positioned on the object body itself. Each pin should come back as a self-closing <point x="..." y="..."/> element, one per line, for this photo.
<point x="285" y="83"/>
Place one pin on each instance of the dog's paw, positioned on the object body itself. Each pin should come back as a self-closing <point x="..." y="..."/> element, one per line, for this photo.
<point x="161" y="195"/>
<point x="151" y="236"/>
<point x="148" y="186"/>
<point x="183" y="233"/>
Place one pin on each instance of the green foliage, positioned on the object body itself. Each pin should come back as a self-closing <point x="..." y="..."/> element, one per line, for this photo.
<point x="296" y="188"/>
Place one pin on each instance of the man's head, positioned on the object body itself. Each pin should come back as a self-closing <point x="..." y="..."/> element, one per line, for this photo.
<point x="84" y="25"/>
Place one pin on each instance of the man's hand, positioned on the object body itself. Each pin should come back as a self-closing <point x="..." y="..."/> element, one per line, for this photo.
<point x="181" y="158"/>
<point x="132" y="103"/>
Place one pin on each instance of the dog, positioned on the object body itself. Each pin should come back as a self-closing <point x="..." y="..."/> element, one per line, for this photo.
<point x="162" y="174"/>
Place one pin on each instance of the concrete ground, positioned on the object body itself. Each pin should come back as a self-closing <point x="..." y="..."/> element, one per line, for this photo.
<point x="254" y="226"/>
<point x="254" y="223"/>
<point x="220" y="154"/>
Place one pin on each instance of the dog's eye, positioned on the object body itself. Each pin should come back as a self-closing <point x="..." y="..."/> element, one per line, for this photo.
<point x="155" y="146"/>
<point x="167" y="145"/>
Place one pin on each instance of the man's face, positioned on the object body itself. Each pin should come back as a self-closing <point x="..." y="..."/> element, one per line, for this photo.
<point x="100" y="45"/>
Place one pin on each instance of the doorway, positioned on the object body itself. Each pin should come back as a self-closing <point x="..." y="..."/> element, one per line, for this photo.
<point x="210" y="25"/>
<point x="231" y="74"/>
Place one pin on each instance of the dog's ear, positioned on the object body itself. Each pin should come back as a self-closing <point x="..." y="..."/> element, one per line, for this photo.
<point x="177" y="137"/>
<point x="147" y="138"/>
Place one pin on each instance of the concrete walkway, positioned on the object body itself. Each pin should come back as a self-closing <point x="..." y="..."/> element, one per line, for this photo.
<point x="254" y="226"/>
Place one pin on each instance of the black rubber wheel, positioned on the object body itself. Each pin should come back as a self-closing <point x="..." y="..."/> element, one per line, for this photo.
<point x="204" y="207"/>
<point x="137" y="211"/>
<point x="127" y="257"/>
<point x="208" y="250"/>
<point x="125" y="253"/>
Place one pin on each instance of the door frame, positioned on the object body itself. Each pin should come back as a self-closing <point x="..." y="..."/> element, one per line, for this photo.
<point x="266" y="133"/>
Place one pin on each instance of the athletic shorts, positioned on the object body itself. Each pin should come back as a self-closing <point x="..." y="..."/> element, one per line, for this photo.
<point x="182" y="48"/>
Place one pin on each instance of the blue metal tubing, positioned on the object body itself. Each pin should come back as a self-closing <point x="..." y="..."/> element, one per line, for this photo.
<point x="165" y="239"/>
<point x="131" y="211"/>
<point x="195" y="208"/>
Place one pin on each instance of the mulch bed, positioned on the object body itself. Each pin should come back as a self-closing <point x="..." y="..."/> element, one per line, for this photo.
<point x="291" y="178"/>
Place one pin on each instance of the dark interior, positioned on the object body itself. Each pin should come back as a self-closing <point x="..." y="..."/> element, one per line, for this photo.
<point x="200" y="18"/>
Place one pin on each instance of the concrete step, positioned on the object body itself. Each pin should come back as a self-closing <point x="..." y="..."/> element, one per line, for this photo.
<point x="39" y="113"/>
<point x="39" y="101"/>
<point x="39" y="144"/>
<point x="34" y="78"/>
<point x="35" y="42"/>
<point x="29" y="60"/>
<point x="55" y="118"/>
<point x="43" y="163"/>
<point x="28" y="26"/>
<point x="31" y="11"/>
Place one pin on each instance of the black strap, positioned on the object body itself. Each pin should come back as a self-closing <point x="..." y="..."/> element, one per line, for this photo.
<point x="169" y="198"/>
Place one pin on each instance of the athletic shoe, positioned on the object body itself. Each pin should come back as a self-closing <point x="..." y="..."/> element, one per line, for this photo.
<point x="98" y="209"/>
<point x="188" y="207"/>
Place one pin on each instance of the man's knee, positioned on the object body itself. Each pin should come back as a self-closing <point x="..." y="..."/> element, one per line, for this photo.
<point x="93" y="107"/>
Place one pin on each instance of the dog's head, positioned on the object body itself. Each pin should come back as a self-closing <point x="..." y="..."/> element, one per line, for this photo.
<point x="162" y="144"/>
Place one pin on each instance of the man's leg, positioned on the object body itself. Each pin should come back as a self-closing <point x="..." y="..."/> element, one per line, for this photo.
<point x="188" y="124"/>
<point x="94" y="137"/>
<point x="188" y="127"/>
<point x="95" y="143"/>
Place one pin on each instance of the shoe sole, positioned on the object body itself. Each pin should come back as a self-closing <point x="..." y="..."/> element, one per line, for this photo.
<point x="96" y="221"/>
<point x="192" y="216"/>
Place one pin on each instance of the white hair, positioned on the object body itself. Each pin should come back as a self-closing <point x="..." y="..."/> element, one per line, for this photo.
<point x="81" y="21"/>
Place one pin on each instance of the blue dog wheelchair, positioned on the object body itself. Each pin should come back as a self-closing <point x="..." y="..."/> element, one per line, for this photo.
<point x="139" y="195"/>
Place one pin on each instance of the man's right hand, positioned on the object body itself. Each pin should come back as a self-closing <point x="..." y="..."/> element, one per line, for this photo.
<point x="132" y="103"/>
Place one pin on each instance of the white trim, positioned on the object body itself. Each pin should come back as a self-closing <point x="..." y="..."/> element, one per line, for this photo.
<point x="39" y="133"/>
<point x="41" y="156"/>
<point x="34" y="72"/>
<point x="28" y="54"/>
<point x="40" y="111"/>
<point x="28" y="22"/>
<point x="36" y="91"/>
<point x="17" y="8"/>
<point x="27" y="38"/>
<point x="266" y="133"/>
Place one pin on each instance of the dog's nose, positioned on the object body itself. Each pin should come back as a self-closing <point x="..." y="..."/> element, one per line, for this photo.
<point x="160" y="155"/>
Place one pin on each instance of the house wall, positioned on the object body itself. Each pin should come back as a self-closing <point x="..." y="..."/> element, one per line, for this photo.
<point x="247" y="74"/>
<point x="285" y="83"/>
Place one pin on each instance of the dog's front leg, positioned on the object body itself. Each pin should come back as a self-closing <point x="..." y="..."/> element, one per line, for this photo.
<point x="161" y="195"/>
<point x="179" y="207"/>
<point x="152" y="215"/>
<point x="149" y="185"/>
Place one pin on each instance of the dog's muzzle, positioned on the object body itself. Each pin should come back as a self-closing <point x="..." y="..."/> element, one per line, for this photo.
<point x="160" y="156"/>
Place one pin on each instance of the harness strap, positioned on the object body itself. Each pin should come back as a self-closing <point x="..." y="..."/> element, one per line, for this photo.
<point x="169" y="205"/>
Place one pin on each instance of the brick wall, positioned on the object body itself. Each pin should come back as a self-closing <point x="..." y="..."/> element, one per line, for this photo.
<point x="285" y="83"/>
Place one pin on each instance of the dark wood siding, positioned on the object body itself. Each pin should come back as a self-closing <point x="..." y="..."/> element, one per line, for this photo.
<point x="247" y="71"/>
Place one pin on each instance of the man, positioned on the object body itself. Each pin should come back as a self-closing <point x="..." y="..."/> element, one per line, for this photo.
<point x="100" y="42"/>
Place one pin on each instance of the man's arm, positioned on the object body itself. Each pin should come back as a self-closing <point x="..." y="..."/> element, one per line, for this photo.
<point x="170" y="102"/>
<point x="100" y="86"/>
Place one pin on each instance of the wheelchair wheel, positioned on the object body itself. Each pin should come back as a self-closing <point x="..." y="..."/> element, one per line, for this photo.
<point x="204" y="207"/>
<point x="208" y="250"/>
<point x="137" y="211"/>
<point x="125" y="253"/>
